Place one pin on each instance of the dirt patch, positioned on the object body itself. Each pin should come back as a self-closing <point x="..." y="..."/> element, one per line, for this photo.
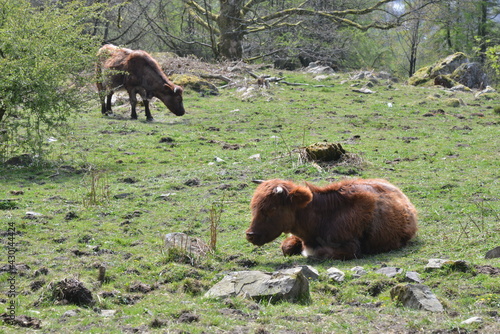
<point x="488" y="270"/>
<point x="21" y="321"/>
<point x="71" y="291"/>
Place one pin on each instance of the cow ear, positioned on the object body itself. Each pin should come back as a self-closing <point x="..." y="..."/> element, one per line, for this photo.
<point x="301" y="196"/>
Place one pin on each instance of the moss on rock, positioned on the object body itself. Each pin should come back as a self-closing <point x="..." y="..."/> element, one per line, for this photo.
<point x="195" y="83"/>
<point x="444" y="66"/>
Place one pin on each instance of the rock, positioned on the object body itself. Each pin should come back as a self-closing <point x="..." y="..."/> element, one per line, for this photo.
<point x="416" y="296"/>
<point x="435" y="264"/>
<point x="195" y="83"/>
<point x="33" y="215"/>
<point x="70" y="313"/>
<point x="187" y="243"/>
<point x="492" y="254"/>
<point x="358" y="272"/>
<point x="389" y="271"/>
<point x="255" y="157"/>
<point x="460" y="88"/>
<point x="445" y="81"/>
<point x="487" y="90"/>
<point x="444" y="66"/>
<point x="452" y="102"/>
<point x="413" y="277"/>
<point x="472" y="320"/>
<point x="259" y="285"/>
<point x="317" y="68"/>
<point x="458" y="265"/>
<point x="470" y="75"/>
<point x="364" y="90"/>
<point x="107" y="313"/>
<point x="309" y="272"/>
<point x="335" y="274"/>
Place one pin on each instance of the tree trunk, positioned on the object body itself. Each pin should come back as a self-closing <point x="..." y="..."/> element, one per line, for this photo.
<point x="481" y="31"/>
<point x="231" y="28"/>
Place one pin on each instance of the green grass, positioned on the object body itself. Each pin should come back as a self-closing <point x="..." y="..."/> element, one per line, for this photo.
<point x="116" y="184"/>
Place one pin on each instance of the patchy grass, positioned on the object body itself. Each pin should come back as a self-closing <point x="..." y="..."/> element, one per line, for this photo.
<point x="117" y="186"/>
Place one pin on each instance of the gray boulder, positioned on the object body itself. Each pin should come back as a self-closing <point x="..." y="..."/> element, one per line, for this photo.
<point x="416" y="296"/>
<point x="492" y="254"/>
<point x="289" y="285"/>
<point x="471" y="75"/>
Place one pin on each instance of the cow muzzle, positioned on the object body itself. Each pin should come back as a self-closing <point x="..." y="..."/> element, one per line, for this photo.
<point x="254" y="238"/>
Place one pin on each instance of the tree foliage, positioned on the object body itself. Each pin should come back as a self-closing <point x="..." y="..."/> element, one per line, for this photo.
<point x="43" y="52"/>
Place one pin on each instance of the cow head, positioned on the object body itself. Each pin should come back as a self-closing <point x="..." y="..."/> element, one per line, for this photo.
<point x="171" y="95"/>
<point x="273" y="209"/>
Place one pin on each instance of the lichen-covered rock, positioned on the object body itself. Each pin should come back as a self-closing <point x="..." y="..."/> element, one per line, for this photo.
<point x="195" y="83"/>
<point x="442" y="67"/>
<point x="272" y="287"/>
<point x="416" y="296"/>
<point x="452" y="102"/>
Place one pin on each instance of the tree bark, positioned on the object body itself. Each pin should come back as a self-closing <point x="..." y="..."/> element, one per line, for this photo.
<point x="231" y="29"/>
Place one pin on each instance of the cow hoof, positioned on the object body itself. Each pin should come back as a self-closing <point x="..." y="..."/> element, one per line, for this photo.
<point x="150" y="119"/>
<point x="134" y="118"/>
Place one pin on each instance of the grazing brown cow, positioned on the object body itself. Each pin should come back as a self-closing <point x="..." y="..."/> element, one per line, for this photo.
<point x="138" y="73"/>
<point x="340" y="221"/>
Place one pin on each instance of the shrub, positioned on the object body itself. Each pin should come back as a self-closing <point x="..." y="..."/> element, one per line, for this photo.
<point x="43" y="53"/>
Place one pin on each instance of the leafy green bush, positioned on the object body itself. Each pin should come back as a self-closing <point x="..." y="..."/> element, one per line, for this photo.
<point x="43" y="52"/>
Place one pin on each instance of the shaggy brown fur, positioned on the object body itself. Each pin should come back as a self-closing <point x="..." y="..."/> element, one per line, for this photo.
<point x="138" y="73"/>
<point x="340" y="221"/>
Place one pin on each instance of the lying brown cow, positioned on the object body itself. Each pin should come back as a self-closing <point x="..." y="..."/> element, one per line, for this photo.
<point x="138" y="73"/>
<point x="340" y="221"/>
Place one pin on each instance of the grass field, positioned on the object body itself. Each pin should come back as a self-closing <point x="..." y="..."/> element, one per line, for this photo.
<point x="114" y="187"/>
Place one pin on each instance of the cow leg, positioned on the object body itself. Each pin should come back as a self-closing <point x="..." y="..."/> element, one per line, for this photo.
<point x="133" y="104"/>
<point x="292" y="246"/>
<point x="149" y="117"/>
<point x="103" y="105"/>
<point x="108" y="103"/>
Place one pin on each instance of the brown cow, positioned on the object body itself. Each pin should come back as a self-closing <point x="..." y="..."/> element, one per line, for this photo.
<point x="340" y="221"/>
<point x="138" y="73"/>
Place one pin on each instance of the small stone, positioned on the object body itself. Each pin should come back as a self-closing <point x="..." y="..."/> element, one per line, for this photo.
<point x="335" y="274"/>
<point x="108" y="313"/>
<point x="389" y="271"/>
<point x="436" y="264"/>
<point x="70" y="313"/>
<point x="358" y="272"/>
<point x="309" y="272"/>
<point x="472" y="320"/>
<point x="33" y="215"/>
<point x="413" y="277"/>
